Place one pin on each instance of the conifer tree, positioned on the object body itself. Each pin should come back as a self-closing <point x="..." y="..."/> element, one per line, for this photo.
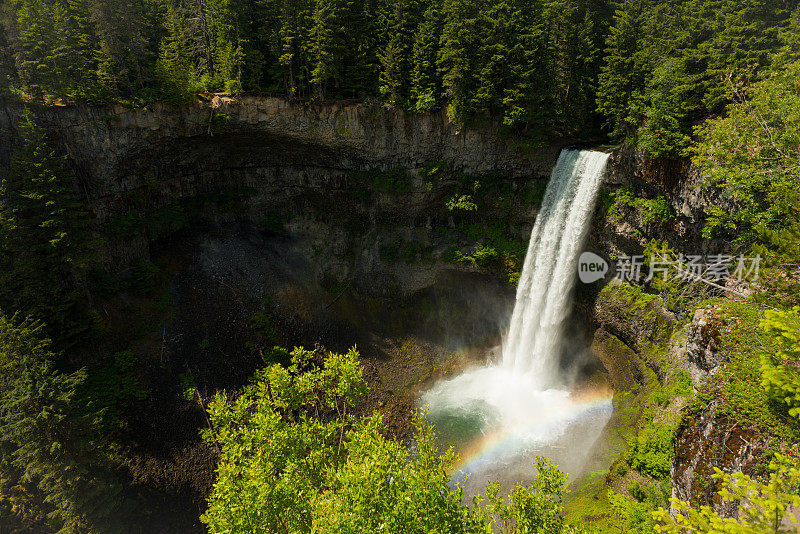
<point x="294" y="46"/>
<point x="461" y="38"/>
<point x="396" y="58"/>
<point x="51" y="467"/>
<point x="174" y="67"/>
<point x="43" y="236"/>
<point x="227" y="46"/>
<point x="620" y="94"/>
<point x="328" y="43"/>
<point x="426" y="84"/>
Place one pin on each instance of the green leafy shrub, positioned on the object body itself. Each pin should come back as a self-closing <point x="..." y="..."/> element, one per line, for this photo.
<point x="651" y="211"/>
<point x="188" y="387"/>
<point x="751" y="154"/>
<point x="739" y="386"/>
<point x="480" y="255"/>
<point x="780" y="373"/>
<point x="655" y="211"/>
<point x="651" y="451"/>
<point x="461" y="203"/>
<point x="295" y="457"/>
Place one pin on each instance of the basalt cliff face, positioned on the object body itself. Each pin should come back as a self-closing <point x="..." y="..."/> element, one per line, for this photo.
<point x="116" y="147"/>
<point x="296" y="162"/>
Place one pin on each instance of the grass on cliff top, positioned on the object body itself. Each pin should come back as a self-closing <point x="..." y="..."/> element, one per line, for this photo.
<point x="737" y="387"/>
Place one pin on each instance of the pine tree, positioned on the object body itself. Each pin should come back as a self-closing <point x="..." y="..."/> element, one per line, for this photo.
<point x="51" y="467"/>
<point x="622" y="80"/>
<point x="36" y="35"/>
<point x="129" y="34"/>
<point x="174" y="69"/>
<point x="42" y="236"/>
<point x="227" y="46"/>
<point x="368" y="36"/>
<point x="576" y="29"/>
<point x="396" y="58"/>
<point x="293" y="41"/>
<point x="426" y="82"/>
<point x="8" y="74"/>
<point x="460" y="41"/>
<point x="328" y="43"/>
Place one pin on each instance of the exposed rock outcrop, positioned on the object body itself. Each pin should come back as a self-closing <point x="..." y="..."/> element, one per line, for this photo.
<point x="680" y="183"/>
<point x="705" y="441"/>
<point x="117" y="146"/>
<point x="702" y="344"/>
<point x="637" y="318"/>
<point x="296" y="164"/>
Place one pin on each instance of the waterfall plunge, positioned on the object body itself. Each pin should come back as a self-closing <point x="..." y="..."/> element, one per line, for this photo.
<point x="543" y="294"/>
<point x="518" y="405"/>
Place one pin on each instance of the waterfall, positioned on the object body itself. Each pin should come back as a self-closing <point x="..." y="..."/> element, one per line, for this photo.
<point x="507" y="410"/>
<point x="548" y="275"/>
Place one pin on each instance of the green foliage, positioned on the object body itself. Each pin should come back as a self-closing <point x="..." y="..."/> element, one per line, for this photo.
<point x="52" y="470"/>
<point x="534" y="65"/>
<point x="618" y="200"/>
<point x="666" y="65"/>
<point x="462" y="203"/>
<point x="655" y="210"/>
<point x="752" y="154"/>
<point x="188" y="387"/>
<point x="651" y="211"/>
<point x="738" y="387"/>
<point x="111" y="386"/>
<point x="494" y="248"/>
<point x="680" y="385"/>
<point x="296" y="458"/>
<point x="634" y="514"/>
<point x="538" y="507"/>
<point x="780" y="373"/>
<point x="480" y="255"/>
<point x="44" y="240"/>
<point x="143" y="278"/>
<point x="652" y="68"/>
<point x="763" y="506"/>
<point x="262" y="322"/>
<point x="650" y="452"/>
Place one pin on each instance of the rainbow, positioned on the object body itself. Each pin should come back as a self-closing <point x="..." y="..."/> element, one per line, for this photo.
<point x="502" y="443"/>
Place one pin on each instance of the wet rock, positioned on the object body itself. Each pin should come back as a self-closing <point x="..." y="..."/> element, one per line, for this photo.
<point x="702" y="344"/>
<point x="639" y="319"/>
<point x="706" y="441"/>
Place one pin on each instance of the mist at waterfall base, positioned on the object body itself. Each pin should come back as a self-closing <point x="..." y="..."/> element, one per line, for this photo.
<point x="526" y="402"/>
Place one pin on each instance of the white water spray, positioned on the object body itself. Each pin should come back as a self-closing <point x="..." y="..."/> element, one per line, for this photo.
<point x="520" y="398"/>
<point x="543" y="294"/>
